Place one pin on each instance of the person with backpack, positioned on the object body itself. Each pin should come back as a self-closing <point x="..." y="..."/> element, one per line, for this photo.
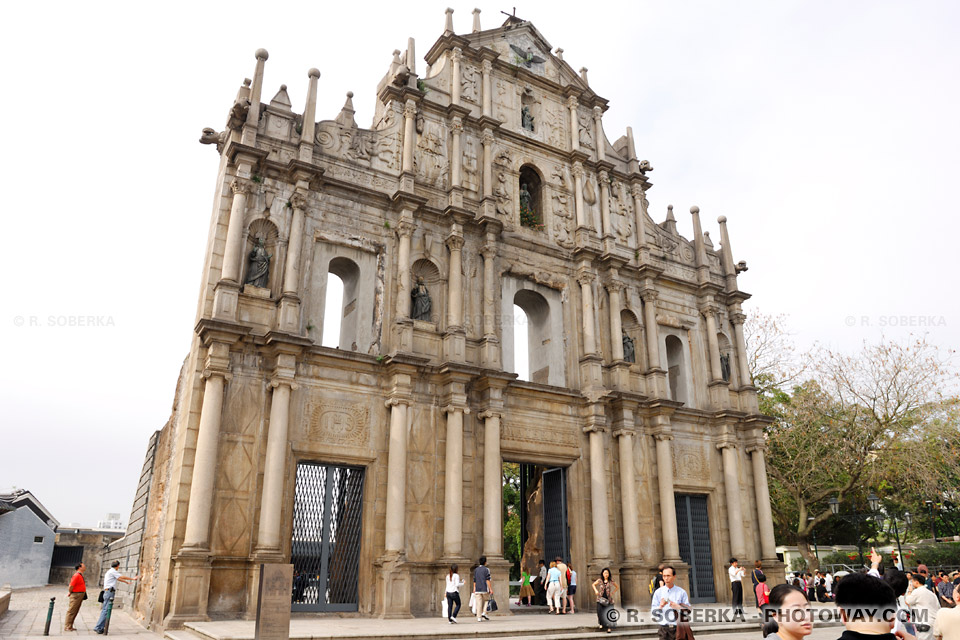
<point x="755" y="578"/>
<point x="564" y="582"/>
<point x="571" y="586"/>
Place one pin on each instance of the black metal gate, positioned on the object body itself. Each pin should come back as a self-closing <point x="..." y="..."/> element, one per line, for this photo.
<point x="693" y="530"/>
<point x="556" y="535"/>
<point x="325" y="549"/>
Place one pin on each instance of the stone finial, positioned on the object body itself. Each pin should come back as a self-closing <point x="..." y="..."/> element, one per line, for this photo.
<point x="448" y="22"/>
<point x="670" y="213"/>
<point x="313" y="73"/>
<point x="694" y="209"/>
<point x="476" y="20"/>
<point x="583" y="75"/>
<point x="261" y="54"/>
<point x="411" y="56"/>
<point x="282" y="99"/>
<point x="559" y="53"/>
<point x="346" y="114"/>
<point x="722" y="219"/>
<point x="706" y="239"/>
<point x="670" y="224"/>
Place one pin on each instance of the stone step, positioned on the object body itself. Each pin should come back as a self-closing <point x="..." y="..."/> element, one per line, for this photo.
<point x="182" y="634"/>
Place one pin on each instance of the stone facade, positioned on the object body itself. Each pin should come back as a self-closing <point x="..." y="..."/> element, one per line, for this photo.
<point x="489" y="179"/>
<point x="94" y="544"/>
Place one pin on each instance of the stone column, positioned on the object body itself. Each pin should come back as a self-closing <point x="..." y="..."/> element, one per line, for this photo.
<point x="455" y="77"/>
<point x="230" y="270"/>
<point x="600" y="138"/>
<point x="729" y="271"/>
<point x="572" y="103"/>
<point x="274" y="470"/>
<point x="578" y="194"/>
<point x="598" y="495"/>
<point x="585" y="278"/>
<point x="456" y="128"/>
<point x="628" y="496"/>
<point x="409" y="135"/>
<point x="487" y="70"/>
<point x="489" y="253"/>
<point x="404" y="231"/>
<point x="605" y="204"/>
<point x="709" y="312"/>
<point x="453" y="483"/>
<point x="291" y="273"/>
<point x="492" y="486"/>
<point x="737" y="319"/>
<point x="487" y="164"/>
<point x="616" y="340"/>
<point x="637" y="192"/>
<point x="768" y="543"/>
<point x="305" y="152"/>
<point x="731" y="485"/>
<point x="396" y="476"/>
<point x="650" y="321"/>
<point x="668" y="509"/>
<point x="455" y="281"/>
<point x="197" y="535"/>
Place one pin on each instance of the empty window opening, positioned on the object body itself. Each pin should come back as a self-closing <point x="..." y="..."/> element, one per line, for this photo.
<point x="341" y="317"/>
<point x="536" y="342"/>
<point x="675" y="369"/>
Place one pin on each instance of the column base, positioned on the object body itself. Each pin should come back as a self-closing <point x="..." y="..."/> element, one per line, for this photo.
<point x="634" y="582"/>
<point x="490" y="352"/>
<point x="403" y="336"/>
<point x="393" y="587"/>
<point x="289" y="314"/>
<point x="455" y="345"/>
<point x="683" y="572"/>
<point x="500" y="574"/>
<point x="657" y="384"/>
<point x="775" y="570"/>
<point x="719" y="394"/>
<point x="226" y="296"/>
<point x="191" y="588"/>
<point x="620" y="375"/>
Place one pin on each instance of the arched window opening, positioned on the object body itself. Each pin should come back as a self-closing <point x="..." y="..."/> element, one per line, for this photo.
<point x="331" y="313"/>
<point x="537" y="313"/>
<point x="675" y="369"/>
<point x="342" y="310"/>
<point x="531" y="209"/>
<point x="521" y="361"/>
<point x="630" y="336"/>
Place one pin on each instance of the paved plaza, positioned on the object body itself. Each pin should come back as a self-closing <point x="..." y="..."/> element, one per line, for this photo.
<point x="28" y="609"/>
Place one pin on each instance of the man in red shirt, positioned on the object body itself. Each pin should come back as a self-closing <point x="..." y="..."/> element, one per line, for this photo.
<point x="78" y="593"/>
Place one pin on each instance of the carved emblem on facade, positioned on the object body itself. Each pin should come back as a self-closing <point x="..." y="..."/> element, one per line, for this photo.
<point x="337" y="423"/>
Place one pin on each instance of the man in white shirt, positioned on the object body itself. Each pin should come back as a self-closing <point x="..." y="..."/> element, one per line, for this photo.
<point x="925" y="605"/>
<point x="110" y="580"/>
<point x="667" y="603"/>
<point x="736" y="586"/>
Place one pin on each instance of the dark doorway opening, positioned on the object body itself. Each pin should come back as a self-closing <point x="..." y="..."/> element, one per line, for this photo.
<point x="325" y="549"/>
<point x="693" y="531"/>
<point x="535" y="516"/>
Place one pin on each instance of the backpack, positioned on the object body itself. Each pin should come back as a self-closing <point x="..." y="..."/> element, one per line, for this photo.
<point x="568" y="576"/>
<point x="653" y="581"/>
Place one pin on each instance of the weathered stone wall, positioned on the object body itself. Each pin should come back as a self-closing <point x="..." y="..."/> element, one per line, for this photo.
<point x="95" y="544"/>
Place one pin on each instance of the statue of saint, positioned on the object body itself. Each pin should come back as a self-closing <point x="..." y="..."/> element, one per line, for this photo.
<point x="422" y="304"/>
<point x="526" y="119"/>
<point x="258" y="265"/>
<point x="525" y="198"/>
<point x="725" y="366"/>
<point x="629" y="352"/>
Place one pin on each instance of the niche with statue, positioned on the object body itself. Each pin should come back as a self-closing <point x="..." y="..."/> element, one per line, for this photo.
<point x="531" y="208"/>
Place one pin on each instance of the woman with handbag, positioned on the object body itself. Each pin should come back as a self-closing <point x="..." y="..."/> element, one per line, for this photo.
<point x="604" y="587"/>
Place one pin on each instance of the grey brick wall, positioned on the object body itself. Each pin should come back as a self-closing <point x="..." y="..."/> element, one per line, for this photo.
<point x="23" y="562"/>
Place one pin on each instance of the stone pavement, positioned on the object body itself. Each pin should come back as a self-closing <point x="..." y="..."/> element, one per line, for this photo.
<point x="28" y="613"/>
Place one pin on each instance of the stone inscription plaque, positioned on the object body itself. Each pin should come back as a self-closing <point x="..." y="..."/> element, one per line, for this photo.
<point x="273" y="602"/>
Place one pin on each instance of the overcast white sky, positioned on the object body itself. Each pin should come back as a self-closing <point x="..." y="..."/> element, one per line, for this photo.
<point x="827" y="133"/>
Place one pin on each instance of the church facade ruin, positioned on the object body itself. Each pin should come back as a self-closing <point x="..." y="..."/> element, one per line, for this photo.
<point x="486" y="181"/>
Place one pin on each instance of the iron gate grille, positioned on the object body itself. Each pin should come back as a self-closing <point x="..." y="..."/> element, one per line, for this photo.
<point x="693" y="531"/>
<point x="555" y="535"/>
<point x="325" y="550"/>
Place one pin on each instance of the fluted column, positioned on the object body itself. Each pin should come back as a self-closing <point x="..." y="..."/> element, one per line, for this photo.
<point x="709" y="312"/>
<point x="585" y="278"/>
<point x="731" y="485"/>
<point x="453" y="483"/>
<point x="291" y="274"/>
<point x="599" y="137"/>
<point x="616" y="330"/>
<point x="455" y="282"/>
<point x="605" y="204"/>
<point x="768" y="543"/>
<point x="492" y="486"/>
<point x="230" y="269"/>
<point x="628" y="495"/>
<point x="598" y="495"/>
<point x="455" y="77"/>
<point x="456" y="128"/>
<point x="197" y="534"/>
<point x="409" y="135"/>
<point x="637" y="192"/>
<point x="487" y="164"/>
<point x="274" y="470"/>
<point x="487" y="72"/>
<point x="668" y="509"/>
<point x="396" y="476"/>
<point x="737" y="320"/>
<point x="574" y="124"/>
<point x="650" y="320"/>
<point x="578" y="194"/>
<point x="404" y="231"/>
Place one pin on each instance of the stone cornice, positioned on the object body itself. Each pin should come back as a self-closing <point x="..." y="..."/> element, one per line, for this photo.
<point x="211" y="330"/>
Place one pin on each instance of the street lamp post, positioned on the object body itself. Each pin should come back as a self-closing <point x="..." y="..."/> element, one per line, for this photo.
<point x="933" y="522"/>
<point x="813" y="534"/>
<point x="855" y="517"/>
<point x="896" y="532"/>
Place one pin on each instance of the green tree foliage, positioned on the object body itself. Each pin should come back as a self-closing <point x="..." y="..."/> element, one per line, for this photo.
<point x="512" y="506"/>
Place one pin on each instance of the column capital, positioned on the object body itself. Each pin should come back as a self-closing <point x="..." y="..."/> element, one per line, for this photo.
<point x="738" y="318"/>
<point x="489" y="413"/>
<point x="488" y="251"/>
<point x="594" y="426"/>
<point x="456" y="125"/>
<point x="487" y="138"/>
<point x="604" y="177"/>
<point x="573" y="102"/>
<point x="578" y="169"/>
<point x="457" y="54"/>
<point x="487" y="66"/>
<point x="636" y="190"/>
<point x="410" y="109"/>
<point x="623" y="432"/>
<point x="649" y="295"/>
<point x="451" y="408"/>
<point x="210" y="372"/>
<point x="298" y="200"/>
<point x="405" y="228"/>
<point x="454" y="242"/>
<point x="663" y="435"/>
<point x="727" y="441"/>
<point x="757" y="447"/>
<point x="278" y="380"/>
<point x="241" y="185"/>
<point x="614" y="286"/>
<point x="585" y="276"/>
<point x="397" y="401"/>
<point x="597" y="113"/>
